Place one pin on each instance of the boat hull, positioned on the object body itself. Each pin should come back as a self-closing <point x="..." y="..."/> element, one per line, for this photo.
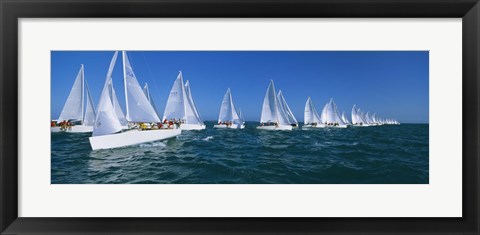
<point x="355" y="125"/>
<point x="273" y="128"/>
<point x="340" y="126"/>
<point x="233" y="126"/>
<point x="312" y="126"/>
<point x="190" y="127"/>
<point x="131" y="137"/>
<point x="73" y="129"/>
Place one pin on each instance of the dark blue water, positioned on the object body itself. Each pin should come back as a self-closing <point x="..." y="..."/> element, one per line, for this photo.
<point x="390" y="154"/>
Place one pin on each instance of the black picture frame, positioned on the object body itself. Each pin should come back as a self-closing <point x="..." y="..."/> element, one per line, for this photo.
<point x="11" y="11"/>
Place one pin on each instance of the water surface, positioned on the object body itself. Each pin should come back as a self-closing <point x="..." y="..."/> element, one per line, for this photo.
<point x="390" y="154"/>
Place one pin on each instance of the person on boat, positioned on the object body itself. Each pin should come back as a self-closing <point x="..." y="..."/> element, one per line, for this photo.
<point x="143" y="126"/>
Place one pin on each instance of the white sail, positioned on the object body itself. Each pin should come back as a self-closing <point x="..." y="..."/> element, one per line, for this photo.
<point x="175" y="107"/>
<point x="345" y="119"/>
<point x="283" y="103"/>
<point x="73" y="107"/>
<point x="269" y="108"/>
<point x="106" y="120"/>
<point x="191" y="111"/>
<point x="355" y="119"/>
<point x="138" y="107"/>
<point x="113" y="95"/>
<point x="90" y="114"/>
<point x="116" y="106"/>
<point x="331" y="115"/>
<point x="227" y="110"/>
<point x="310" y="114"/>
<point x="149" y="97"/>
<point x="240" y="116"/>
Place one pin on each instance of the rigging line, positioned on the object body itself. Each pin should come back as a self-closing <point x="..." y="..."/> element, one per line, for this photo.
<point x="152" y="77"/>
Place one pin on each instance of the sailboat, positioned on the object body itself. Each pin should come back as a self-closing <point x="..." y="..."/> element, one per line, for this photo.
<point x="330" y="116"/>
<point x="311" y="117"/>
<point x="228" y="117"/>
<point x="107" y="131"/>
<point x="345" y="119"/>
<point x="357" y="117"/>
<point x="285" y="108"/>
<point x="240" y="115"/>
<point x="79" y="117"/>
<point x="273" y="116"/>
<point x="181" y="108"/>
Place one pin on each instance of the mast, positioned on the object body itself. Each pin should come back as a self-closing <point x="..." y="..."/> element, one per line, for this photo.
<point x="83" y="93"/>
<point x="183" y="97"/>
<point x="125" y="83"/>
<point x="232" y="107"/>
<point x="275" y="100"/>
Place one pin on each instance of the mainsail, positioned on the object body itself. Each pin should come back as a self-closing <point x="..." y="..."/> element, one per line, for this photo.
<point x="310" y="114"/>
<point x="355" y="119"/>
<point x="193" y="117"/>
<point x="117" y="107"/>
<point x="344" y="118"/>
<point x="330" y="114"/>
<point x="90" y="114"/>
<point x="73" y="108"/>
<point x="113" y="95"/>
<point x="106" y="120"/>
<point x="227" y="110"/>
<point x="176" y="103"/>
<point x="138" y="107"/>
<point x="271" y="109"/>
<point x="283" y="104"/>
<point x="149" y="97"/>
<point x="240" y="116"/>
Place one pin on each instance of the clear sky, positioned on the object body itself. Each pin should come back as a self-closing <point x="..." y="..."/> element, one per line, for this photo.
<point x="393" y="84"/>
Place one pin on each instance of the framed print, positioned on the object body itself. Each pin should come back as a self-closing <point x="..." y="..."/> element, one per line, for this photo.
<point x="239" y="117"/>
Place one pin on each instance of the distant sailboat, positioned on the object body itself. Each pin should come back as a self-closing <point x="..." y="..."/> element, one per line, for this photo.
<point x="240" y="115"/>
<point x="228" y="117"/>
<point x="181" y="107"/>
<point x="273" y="116"/>
<point x="330" y="116"/>
<point x="345" y="119"/>
<point x="106" y="132"/>
<point x="81" y="118"/>
<point x="311" y="119"/>
<point x="285" y="108"/>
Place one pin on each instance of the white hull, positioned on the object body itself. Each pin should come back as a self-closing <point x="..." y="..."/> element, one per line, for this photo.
<point x="131" y="137"/>
<point x="312" y="126"/>
<point x="341" y="126"/>
<point x="233" y="126"/>
<point x="190" y="127"/>
<point x="280" y="127"/>
<point x="73" y="129"/>
<point x="360" y="125"/>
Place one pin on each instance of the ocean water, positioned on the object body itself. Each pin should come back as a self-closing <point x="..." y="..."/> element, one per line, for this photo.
<point x="389" y="154"/>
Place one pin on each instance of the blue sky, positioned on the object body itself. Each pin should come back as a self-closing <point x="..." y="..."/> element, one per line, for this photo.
<point x="390" y="83"/>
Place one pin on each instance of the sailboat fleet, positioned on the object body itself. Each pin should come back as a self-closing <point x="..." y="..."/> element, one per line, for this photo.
<point x="141" y="123"/>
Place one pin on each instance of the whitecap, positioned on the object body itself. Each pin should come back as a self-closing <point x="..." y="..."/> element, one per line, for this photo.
<point x="153" y="144"/>
<point x="208" y="138"/>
